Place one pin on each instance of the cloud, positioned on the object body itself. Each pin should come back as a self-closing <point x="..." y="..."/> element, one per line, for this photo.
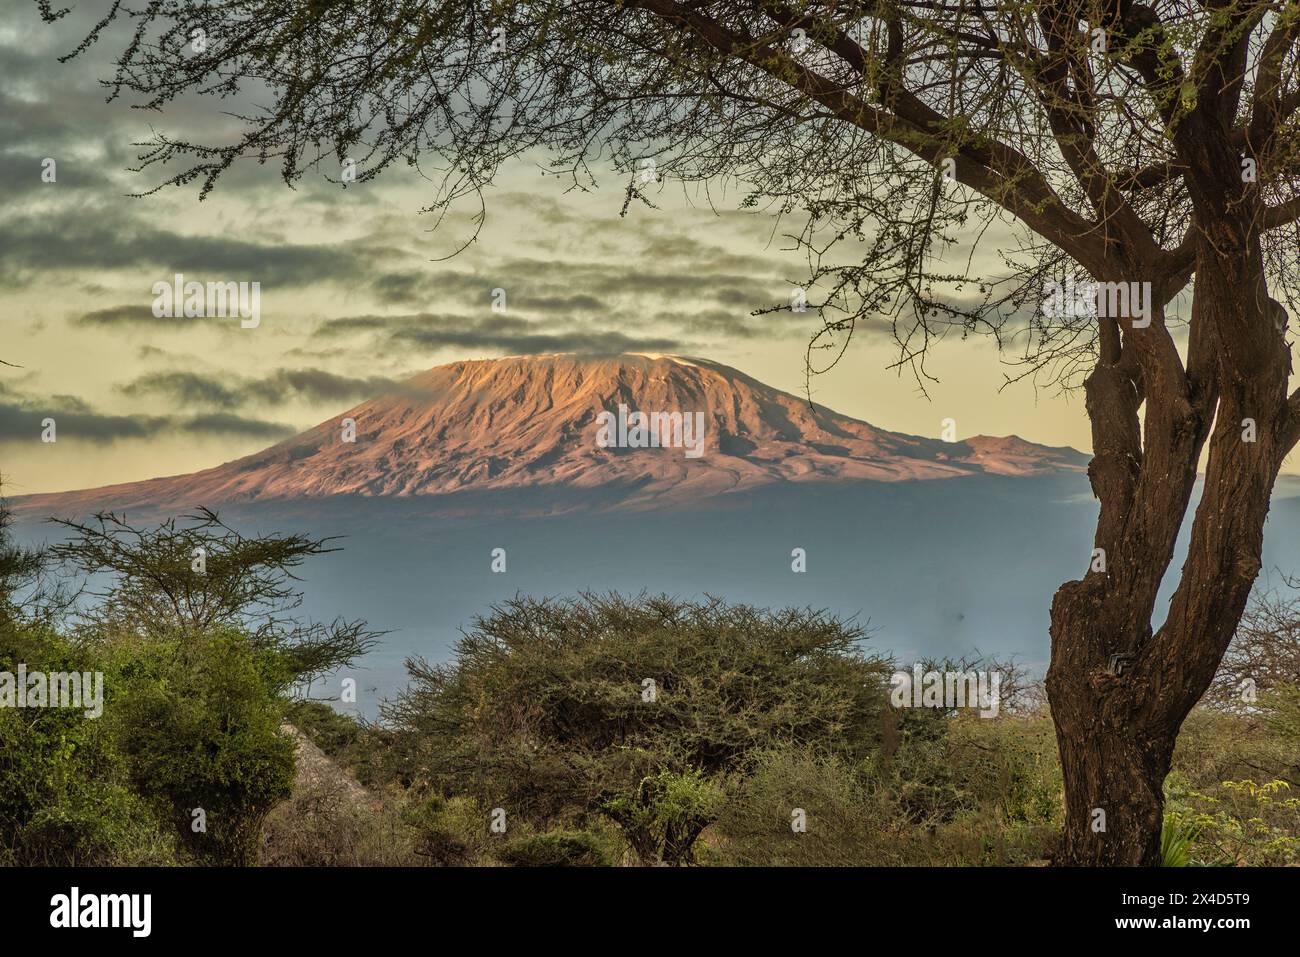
<point x="566" y="304"/>
<point x="421" y="287"/>
<point x="110" y="238"/>
<point x="224" y="391"/>
<point x="316" y="385"/>
<point x="22" y="417"/>
<point x="184" y="387"/>
<point x="128" y="314"/>
<point x="739" y="324"/>
<point x="225" y="423"/>
<point x="24" y="422"/>
<point x="530" y="280"/>
<point x="562" y="287"/>
<point x="21" y="173"/>
<point x="593" y="343"/>
<point x="578" y="277"/>
<point x="510" y="334"/>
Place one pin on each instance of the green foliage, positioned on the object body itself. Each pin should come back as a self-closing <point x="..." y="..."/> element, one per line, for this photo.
<point x="946" y="791"/>
<point x="360" y="749"/>
<point x="557" y="849"/>
<point x="449" y="831"/>
<point x="1010" y="765"/>
<point x="1281" y="708"/>
<point x="20" y="569"/>
<point x="664" y="814"/>
<point x="563" y="709"/>
<point x="334" y="733"/>
<point x="199" y="722"/>
<point x="753" y="721"/>
<point x="199" y="575"/>
<point x="1213" y="790"/>
<point x="188" y="757"/>
<point x="978" y="792"/>
<point x="64" y="794"/>
<point x="325" y="826"/>
<point x="1235" y="823"/>
<point x="1176" y="841"/>
<point x="847" y="821"/>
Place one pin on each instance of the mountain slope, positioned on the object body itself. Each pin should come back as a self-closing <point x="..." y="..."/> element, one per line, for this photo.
<point x="533" y="422"/>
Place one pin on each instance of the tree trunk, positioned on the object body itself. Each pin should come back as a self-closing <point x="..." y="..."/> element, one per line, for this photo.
<point x="1118" y="695"/>
<point x="1113" y="763"/>
<point x="1115" y="799"/>
<point x="1119" y="692"/>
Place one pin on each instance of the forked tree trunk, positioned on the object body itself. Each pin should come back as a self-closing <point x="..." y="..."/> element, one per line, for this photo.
<point x="1117" y="718"/>
<point x="1119" y="692"/>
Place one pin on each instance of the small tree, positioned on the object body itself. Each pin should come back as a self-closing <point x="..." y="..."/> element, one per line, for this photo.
<point x="201" y="574"/>
<point x="632" y="709"/>
<point x="21" y="571"/>
<point x="664" y="815"/>
<point x="1265" y="651"/>
<point x="194" y="622"/>
<point x="198" y="720"/>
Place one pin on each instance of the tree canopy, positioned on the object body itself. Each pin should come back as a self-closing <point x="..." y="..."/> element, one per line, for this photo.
<point x="890" y="133"/>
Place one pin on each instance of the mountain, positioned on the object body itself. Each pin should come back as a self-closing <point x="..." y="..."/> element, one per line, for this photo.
<point x="534" y="422"/>
<point x="474" y="457"/>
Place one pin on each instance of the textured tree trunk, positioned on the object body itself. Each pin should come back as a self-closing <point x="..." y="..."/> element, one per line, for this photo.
<point x="1114" y="800"/>
<point x="1111" y="764"/>
<point x="1119" y="692"/>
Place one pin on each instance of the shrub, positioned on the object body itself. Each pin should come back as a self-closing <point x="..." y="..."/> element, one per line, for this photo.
<point x="664" y="814"/>
<point x="559" y="710"/>
<point x="323" y="826"/>
<point x="846" y="823"/>
<point x="1235" y="823"/>
<point x="556" y="849"/>
<point x="449" y="832"/>
<point x="199" y="725"/>
<point x="64" y="798"/>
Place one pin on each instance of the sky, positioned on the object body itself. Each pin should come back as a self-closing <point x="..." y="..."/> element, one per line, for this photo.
<point x="358" y="289"/>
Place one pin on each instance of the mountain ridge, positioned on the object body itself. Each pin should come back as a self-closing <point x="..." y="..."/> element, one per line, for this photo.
<point x="533" y="422"/>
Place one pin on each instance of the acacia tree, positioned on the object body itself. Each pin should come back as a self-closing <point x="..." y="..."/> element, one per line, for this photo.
<point x="1104" y="140"/>
<point x="1265" y="652"/>
<point x="202" y="575"/>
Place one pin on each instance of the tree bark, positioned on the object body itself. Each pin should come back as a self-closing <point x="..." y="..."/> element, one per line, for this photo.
<point x="1119" y="692"/>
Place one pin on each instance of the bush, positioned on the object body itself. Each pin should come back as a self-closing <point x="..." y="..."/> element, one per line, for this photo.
<point x="199" y="725"/>
<point x="97" y="825"/>
<point x="1235" y="823"/>
<point x="665" y="813"/>
<point x="449" y="832"/>
<point x="632" y="708"/>
<point x="322" y="826"/>
<point x="845" y="822"/>
<point x="64" y="799"/>
<point x="950" y="791"/>
<point x="556" y="849"/>
<point x="1011" y="764"/>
